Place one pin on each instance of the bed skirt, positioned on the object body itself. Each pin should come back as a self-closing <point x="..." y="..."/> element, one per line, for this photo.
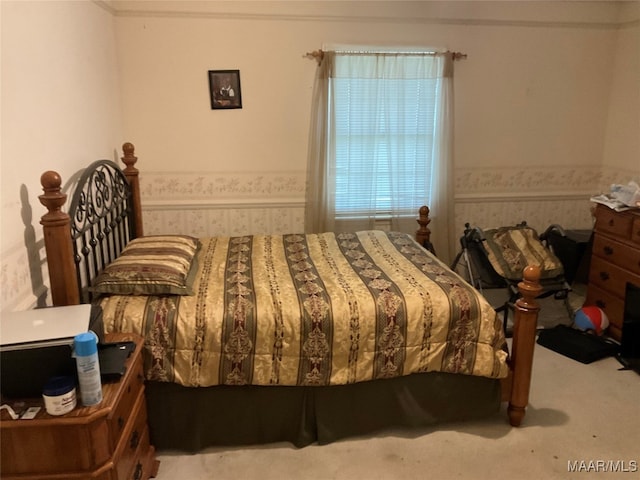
<point x="191" y="419"/>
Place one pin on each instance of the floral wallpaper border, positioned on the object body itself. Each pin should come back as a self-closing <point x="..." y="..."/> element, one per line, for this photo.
<point x="205" y="204"/>
<point x="215" y="186"/>
<point x="519" y="179"/>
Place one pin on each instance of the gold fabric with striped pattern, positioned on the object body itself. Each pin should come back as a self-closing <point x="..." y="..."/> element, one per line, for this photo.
<point x="316" y="309"/>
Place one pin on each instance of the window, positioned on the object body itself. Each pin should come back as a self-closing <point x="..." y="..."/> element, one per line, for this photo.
<point x="380" y="143"/>
<point x="384" y="115"/>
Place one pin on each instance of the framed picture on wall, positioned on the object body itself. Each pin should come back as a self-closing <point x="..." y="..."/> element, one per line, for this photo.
<point x="224" y="88"/>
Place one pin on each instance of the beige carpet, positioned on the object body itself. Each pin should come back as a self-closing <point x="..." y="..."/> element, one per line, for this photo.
<point x="584" y="418"/>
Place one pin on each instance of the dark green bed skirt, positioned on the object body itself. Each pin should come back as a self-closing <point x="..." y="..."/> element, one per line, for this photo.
<point x="191" y="419"/>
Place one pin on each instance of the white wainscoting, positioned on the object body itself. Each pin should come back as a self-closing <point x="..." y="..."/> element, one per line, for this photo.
<point x="207" y="220"/>
<point x="570" y="211"/>
<point x="206" y="204"/>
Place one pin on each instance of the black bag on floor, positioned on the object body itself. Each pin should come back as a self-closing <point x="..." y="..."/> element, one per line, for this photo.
<point x="576" y="344"/>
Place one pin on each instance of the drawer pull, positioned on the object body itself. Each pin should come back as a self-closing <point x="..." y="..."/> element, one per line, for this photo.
<point x="135" y="440"/>
<point x="120" y="422"/>
<point x="601" y="304"/>
<point x="611" y="222"/>
<point x="604" y="276"/>
<point x="137" y="475"/>
<point x="608" y="250"/>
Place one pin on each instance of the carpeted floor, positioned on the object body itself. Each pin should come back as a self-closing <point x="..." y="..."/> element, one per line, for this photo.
<point x="582" y="419"/>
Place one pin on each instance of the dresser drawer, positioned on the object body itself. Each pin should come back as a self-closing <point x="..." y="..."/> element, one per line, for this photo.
<point x="622" y="255"/>
<point x="609" y="277"/>
<point x="612" y="305"/>
<point x="612" y="222"/>
<point x="123" y="409"/>
<point x="142" y="468"/>
<point x="635" y="231"/>
<point x="135" y="441"/>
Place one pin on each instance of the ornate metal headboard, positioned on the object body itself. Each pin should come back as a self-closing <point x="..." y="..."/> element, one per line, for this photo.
<point x="104" y="214"/>
<point x="101" y="220"/>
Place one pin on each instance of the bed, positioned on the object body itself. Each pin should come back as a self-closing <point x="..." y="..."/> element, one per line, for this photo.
<point x="303" y="338"/>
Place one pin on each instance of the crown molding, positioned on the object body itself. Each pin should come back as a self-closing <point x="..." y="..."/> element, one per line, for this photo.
<point x="195" y="10"/>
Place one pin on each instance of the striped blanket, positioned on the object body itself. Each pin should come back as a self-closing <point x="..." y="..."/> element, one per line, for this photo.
<point x="316" y="309"/>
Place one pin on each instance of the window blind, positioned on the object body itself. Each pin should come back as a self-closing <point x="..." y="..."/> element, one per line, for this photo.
<point x="384" y="141"/>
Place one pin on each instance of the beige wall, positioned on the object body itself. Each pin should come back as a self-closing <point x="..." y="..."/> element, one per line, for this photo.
<point x="534" y="104"/>
<point x="60" y="110"/>
<point x="546" y="107"/>
<point x="622" y="139"/>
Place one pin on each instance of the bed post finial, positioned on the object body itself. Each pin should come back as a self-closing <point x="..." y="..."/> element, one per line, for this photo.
<point x="128" y="150"/>
<point x="131" y="172"/>
<point x="56" y="226"/>
<point x="53" y="197"/>
<point x="423" y="234"/>
<point x="524" y="339"/>
<point x="129" y="158"/>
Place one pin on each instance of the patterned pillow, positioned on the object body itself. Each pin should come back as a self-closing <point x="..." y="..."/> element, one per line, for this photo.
<point x="153" y="265"/>
<point x="511" y="249"/>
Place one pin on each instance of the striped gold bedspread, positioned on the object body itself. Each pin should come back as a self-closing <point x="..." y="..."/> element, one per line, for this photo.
<point x="318" y="309"/>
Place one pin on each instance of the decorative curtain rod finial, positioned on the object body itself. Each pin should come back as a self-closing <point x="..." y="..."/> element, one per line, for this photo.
<point x="317" y="54"/>
<point x="459" y="55"/>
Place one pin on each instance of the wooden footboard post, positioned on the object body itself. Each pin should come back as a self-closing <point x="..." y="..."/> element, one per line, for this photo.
<point x="423" y="234"/>
<point x="524" y="337"/>
<point x="131" y="172"/>
<point x="56" y="227"/>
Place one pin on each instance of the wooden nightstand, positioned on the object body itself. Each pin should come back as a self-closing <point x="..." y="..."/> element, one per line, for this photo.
<point x="109" y="441"/>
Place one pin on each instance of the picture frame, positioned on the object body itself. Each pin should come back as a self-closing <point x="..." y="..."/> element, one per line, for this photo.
<point x="224" y="89"/>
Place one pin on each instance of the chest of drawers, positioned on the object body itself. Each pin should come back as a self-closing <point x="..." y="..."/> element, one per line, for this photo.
<point x="109" y="441"/>
<point x="615" y="262"/>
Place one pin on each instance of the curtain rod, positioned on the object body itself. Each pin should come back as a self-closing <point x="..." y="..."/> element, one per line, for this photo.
<point x="319" y="54"/>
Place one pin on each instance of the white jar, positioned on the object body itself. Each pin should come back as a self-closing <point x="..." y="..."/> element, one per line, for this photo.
<point x="59" y="395"/>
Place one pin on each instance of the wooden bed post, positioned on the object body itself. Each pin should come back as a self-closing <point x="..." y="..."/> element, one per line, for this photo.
<point x="56" y="226"/>
<point x="423" y="234"/>
<point x="524" y="338"/>
<point x="131" y="172"/>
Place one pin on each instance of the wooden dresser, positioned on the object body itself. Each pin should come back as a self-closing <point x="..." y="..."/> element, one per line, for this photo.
<point x="109" y="441"/>
<point x="615" y="261"/>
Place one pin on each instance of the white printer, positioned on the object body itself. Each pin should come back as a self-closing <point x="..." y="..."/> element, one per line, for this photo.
<point x="36" y="345"/>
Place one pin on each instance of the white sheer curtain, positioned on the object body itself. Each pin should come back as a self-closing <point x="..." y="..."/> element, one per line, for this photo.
<point x="381" y="144"/>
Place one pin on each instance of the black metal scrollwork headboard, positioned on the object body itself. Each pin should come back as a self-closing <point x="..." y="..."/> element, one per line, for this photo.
<point x="102" y="223"/>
